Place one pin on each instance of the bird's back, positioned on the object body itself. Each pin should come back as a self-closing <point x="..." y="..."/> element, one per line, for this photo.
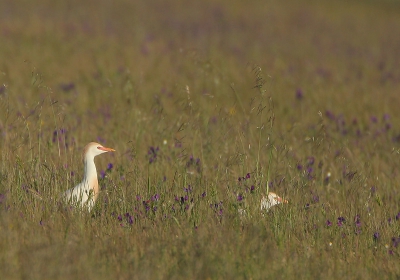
<point x="80" y="195"/>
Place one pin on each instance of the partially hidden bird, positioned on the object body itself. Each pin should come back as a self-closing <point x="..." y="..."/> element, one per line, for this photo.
<point x="86" y="192"/>
<point x="266" y="203"/>
<point x="271" y="200"/>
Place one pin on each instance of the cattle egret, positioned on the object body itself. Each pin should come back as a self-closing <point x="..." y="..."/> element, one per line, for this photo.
<point x="85" y="193"/>
<point x="271" y="200"/>
<point x="266" y="202"/>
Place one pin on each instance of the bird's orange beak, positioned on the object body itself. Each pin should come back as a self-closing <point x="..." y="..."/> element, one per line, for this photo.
<point x="106" y="149"/>
<point x="282" y="200"/>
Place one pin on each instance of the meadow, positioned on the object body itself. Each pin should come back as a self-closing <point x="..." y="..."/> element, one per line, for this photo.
<point x="209" y="105"/>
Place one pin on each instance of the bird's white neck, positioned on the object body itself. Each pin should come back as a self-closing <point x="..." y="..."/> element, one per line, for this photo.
<point x="90" y="176"/>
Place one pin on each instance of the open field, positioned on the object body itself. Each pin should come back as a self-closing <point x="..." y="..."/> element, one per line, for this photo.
<point x="209" y="105"/>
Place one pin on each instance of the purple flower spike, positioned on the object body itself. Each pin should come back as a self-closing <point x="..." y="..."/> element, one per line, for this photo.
<point x="376" y="236"/>
<point x="328" y="223"/>
<point x="110" y="166"/>
<point x="2" y="197"/>
<point x="341" y="221"/>
<point x="203" y="194"/>
<point x="152" y="153"/>
<point x="66" y="87"/>
<point x="299" y="167"/>
<point x="357" y="221"/>
<point x="395" y="241"/>
<point x="239" y="197"/>
<point x="299" y="94"/>
<point x="248" y="176"/>
<point x="398" y="216"/>
<point x="330" y="115"/>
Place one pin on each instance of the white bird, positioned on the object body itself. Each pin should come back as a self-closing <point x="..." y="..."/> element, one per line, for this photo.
<point x="266" y="202"/>
<point x="85" y="193"/>
<point x="271" y="200"/>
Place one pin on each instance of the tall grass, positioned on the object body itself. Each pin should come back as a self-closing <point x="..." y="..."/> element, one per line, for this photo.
<point x="209" y="108"/>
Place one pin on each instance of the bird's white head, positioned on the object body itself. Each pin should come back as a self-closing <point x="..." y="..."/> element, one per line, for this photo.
<point x="94" y="149"/>
<point x="275" y="199"/>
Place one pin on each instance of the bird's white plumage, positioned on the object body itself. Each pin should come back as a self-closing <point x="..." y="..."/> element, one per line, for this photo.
<point x="266" y="203"/>
<point x="272" y="199"/>
<point x="85" y="193"/>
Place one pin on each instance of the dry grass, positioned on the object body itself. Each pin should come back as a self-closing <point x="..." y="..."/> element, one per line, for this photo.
<point x="303" y="97"/>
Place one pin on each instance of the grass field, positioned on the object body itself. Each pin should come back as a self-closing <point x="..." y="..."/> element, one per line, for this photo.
<point x="209" y="105"/>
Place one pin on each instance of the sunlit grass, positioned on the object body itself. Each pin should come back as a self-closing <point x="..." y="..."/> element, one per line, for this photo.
<point x="208" y="108"/>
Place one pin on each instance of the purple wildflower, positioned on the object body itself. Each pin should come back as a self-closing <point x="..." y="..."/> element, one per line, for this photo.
<point x="102" y="174"/>
<point x="155" y="197"/>
<point x="109" y="166"/>
<point x="248" y="176"/>
<point x="376" y="236"/>
<point x="252" y="188"/>
<point x="398" y="216"/>
<point x="341" y="221"/>
<point x="299" y="94"/>
<point x="299" y="167"/>
<point x="2" y="197"/>
<point x="67" y="87"/>
<point x="357" y="221"/>
<point x="203" y="194"/>
<point x="330" y="115"/>
<point x="239" y="197"/>
<point x="386" y="117"/>
<point x="195" y="163"/>
<point x="328" y="223"/>
<point x="178" y="144"/>
<point x="395" y="241"/>
<point x="152" y="153"/>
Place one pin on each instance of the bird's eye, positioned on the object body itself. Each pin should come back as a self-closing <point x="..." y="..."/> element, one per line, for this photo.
<point x="99" y="147"/>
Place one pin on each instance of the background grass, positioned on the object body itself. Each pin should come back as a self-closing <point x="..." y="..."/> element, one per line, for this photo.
<point x="300" y="97"/>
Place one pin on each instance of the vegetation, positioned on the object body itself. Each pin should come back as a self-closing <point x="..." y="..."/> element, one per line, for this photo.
<point x="209" y="105"/>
